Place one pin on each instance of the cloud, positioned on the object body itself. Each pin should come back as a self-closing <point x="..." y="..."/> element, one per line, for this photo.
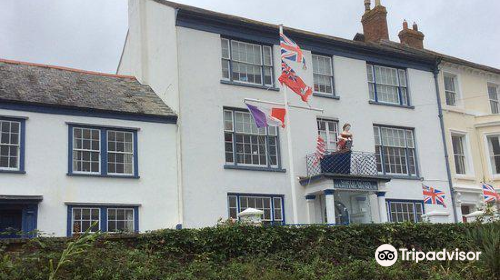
<point x="90" y="34"/>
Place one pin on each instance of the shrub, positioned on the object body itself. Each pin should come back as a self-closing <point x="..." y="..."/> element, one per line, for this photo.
<point x="246" y="252"/>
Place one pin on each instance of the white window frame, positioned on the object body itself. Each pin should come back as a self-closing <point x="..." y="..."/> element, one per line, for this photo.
<point x="263" y="65"/>
<point x="267" y="136"/>
<point x="120" y="208"/>
<point x="330" y="76"/>
<point x="272" y="202"/>
<point x="82" y="208"/>
<point x="406" y="148"/>
<point x="469" y="165"/>
<point x="328" y="140"/>
<point x="488" y="156"/>
<point x="497" y="100"/>
<point x="458" y="91"/>
<point x="373" y="85"/>
<point x="74" y="171"/>
<point x="18" y="155"/>
<point x="403" y="203"/>
<point x="124" y="153"/>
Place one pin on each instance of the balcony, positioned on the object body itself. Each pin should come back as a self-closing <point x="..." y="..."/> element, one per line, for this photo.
<point x="349" y="164"/>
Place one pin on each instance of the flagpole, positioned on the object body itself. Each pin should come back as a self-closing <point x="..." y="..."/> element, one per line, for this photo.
<point x="291" y="168"/>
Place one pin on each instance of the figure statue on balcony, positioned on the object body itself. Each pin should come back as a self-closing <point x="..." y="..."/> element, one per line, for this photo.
<point x="345" y="140"/>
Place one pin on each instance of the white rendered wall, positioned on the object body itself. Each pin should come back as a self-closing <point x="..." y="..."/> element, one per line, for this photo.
<point x="205" y="182"/>
<point x="46" y="165"/>
<point x="203" y="98"/>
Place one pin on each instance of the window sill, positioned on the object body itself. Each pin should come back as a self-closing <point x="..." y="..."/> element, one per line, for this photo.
<point x="13" y="171"/>
<point x="390" y="105"/>
<point x="252" y="168"/>
<point x="318" y="94"/>
<point x="248" y="85"/>
<point x="104" y="176"/>
<point x="403" y="177"/>
<point x="467" y="177"/>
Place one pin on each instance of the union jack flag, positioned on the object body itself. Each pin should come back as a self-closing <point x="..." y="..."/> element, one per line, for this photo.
<point x="320" y="150"/>
<point x="290" y="50"/>
<point x="294" y="82"/>
<point x="490" y="195"/>
<point x="433" y="196"/>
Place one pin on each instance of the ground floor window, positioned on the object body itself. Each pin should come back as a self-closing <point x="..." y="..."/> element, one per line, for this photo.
<point x="405" y="211"/>
<point x="103" y="218"/>
<point x="271" y="205"/>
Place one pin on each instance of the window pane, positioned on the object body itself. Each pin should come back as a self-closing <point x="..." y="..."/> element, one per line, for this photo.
<point x="120" y="219"/>
<point x="272" y="211"/>
<point x="120" y="152"/>
<point x="494" y="150"/>
<point x="225" y="48"/>
<point x="86" y="150"/>
<point x="396" y="147"/>
<point x="268" y="61"/>
<point x="9" y="144"/>
<point x="84" y="218"/>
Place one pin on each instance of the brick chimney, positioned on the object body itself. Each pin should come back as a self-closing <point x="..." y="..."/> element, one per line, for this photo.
<point x="375" y="22"/>
<point x="411" y="37"/>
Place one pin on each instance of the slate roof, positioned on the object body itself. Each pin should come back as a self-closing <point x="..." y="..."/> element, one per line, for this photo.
<point x="387" y="47"/>
<point x="38" y="84"/>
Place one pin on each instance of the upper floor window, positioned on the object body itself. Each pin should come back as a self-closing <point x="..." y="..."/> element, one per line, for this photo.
<point x="247" y="145"/>
<point x="493" y="91"/>
<point x="494" y="153"/>
<point x="11" y="158"/>
<point x="271" y="205"/>
<point x="103" y="218"/>
<point x="247" y="63"/>
<point x="405" y="211"/>
<point x="395" y="151"/>
<point x="387" y="85"/>
<point x="328" y="130"/>
<point x="450" y="89"/>
<point x="459" y="155"/>
<point x="103" y="151"/>
<point x="323" y="74"/>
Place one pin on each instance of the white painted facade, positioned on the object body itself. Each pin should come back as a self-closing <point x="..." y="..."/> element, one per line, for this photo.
<point x="183" y="66"/>
<point x="154" y="193"/>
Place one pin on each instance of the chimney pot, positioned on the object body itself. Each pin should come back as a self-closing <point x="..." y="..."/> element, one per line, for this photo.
<point x="367" y="5"/>
<point x="411" y="37"/>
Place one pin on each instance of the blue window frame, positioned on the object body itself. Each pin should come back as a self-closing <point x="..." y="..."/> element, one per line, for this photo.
<point x="247" y="146"/>
<point x="388" y="85"/>
<point x="272" y="205"/>
<point x="12" y="144"/>
<point x="405" y="210"/>
<point x="107" y="218"/>
<point x="247" y="63"/>
<point x="395" y="151"/>
<point x="102" y="151"/>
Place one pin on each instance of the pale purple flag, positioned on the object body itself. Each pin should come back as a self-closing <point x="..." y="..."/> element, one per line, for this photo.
<point x="259" y="116"/>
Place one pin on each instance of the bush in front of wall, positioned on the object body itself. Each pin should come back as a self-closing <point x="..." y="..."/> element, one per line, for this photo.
<point x="247" y="252"/>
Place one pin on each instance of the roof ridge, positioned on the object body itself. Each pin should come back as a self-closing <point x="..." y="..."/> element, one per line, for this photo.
<point x="65" y="69"/>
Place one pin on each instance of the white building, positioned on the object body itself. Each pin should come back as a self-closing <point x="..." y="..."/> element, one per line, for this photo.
<point x="203" y="64"/>
<point x="79" y="147"/>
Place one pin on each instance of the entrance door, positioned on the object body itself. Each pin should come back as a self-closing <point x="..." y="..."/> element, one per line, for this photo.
<point x="11" y="222"/>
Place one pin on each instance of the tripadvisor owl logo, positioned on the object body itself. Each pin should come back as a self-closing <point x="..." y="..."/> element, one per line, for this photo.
<point x="387" y="255"/>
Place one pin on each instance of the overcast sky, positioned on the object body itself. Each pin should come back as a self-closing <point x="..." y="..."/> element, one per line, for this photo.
<point x="89" y="34"/>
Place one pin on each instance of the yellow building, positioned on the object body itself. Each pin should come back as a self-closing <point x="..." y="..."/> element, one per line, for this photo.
<point x="470" y="96"/>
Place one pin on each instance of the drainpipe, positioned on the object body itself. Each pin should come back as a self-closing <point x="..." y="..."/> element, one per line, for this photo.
<point x="443" y="136"/>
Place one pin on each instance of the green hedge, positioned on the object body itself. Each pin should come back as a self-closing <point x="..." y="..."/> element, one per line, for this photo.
<point x="245" y="252"/>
